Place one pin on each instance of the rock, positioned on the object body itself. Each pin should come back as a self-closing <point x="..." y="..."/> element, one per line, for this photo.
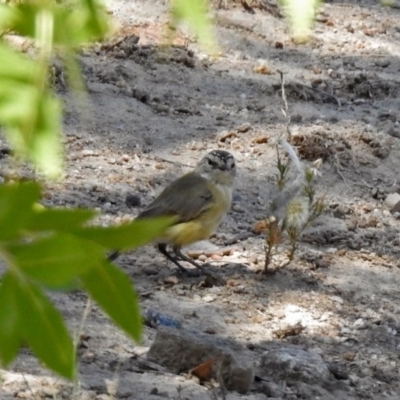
<point x="271" y="389"/>
<point x="344" y="330"/>
<point x="238" y="208"/>
<point x="392" y="199"/>
<point x="392" y="130"/>
<point x="359" y="323"/>
<point x="132" y="200"/>
<point x="306" y="391"/>
<point x="87" y="153"/>
<point x="179" y="350"/>
<point x="338" y="370"/>
<point x="395" y="209"/>
<point x="383" y="63"/>
<point x="209" y="298"/>
<point x="337" y="299"/>
<point x="296" y="118"/>
<point x="293" y="363"/>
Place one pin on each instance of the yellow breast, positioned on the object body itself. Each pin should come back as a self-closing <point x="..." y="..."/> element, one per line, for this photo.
<point x="206" y="223"/>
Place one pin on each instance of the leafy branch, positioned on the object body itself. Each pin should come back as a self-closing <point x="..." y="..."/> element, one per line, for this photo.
<point x="56" y="249"/>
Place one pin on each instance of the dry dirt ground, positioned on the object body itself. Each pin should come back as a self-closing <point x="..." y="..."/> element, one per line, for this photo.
<point x="155" y="112"/>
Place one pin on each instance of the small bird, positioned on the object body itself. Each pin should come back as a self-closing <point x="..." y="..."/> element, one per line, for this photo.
<point x="199" y="200"/>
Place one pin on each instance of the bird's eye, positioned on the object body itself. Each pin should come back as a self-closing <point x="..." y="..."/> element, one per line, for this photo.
<point x="232" y="165"/>
<point x="212" y="163"/>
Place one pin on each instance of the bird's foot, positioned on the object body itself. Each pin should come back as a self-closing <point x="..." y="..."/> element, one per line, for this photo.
<point x="192" y="273"/>
<point x="210" y="279"/>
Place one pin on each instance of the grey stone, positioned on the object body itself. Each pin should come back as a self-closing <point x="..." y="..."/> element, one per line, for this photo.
<point x="293" y="363"/>
<point x="392" y="199"/>
<point x="272" y="389"/>
<point x="307" y="391"/>
<point x="382" y="63"/>
<point x="391" y="129"/>
<point x="338" y="370"/>
<point x="180" y="351"/>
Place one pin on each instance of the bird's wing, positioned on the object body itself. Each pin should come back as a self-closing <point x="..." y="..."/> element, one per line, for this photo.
<point x="187" y="197"/>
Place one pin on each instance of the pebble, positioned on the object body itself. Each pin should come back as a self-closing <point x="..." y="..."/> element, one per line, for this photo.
<point x="359" y="323"/>
<point x="317" y="350"/>
<point x="331" y="250"/>
<point x="353" y="378"/>
<point x="132" y="200"/>
<point x="238" y="208"/>
<point x="208" y="298"/>
<point x="391" y="331"/>
<point x="382" y="63"/>
<point x="125" y="157"/>
<point x="337" y="299"/>
<point x="338" y="370"/>
<point x="325" y="316"/>
<point x="345" y="331"/>
<point x="87" y="153"/>
<point x="349" y="356"/>
<point x="171" y="280"/>
<point x="392" y="199"/>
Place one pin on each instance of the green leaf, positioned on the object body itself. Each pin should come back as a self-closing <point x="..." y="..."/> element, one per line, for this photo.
<point x="123" y="237"/>
<point x="98" y="23"/>
<point x="16" y="202"/>
<point x="56" y="260"/>
<point x="44" y="329"/>
<point x="30" y="115"/>
<point x="113" y="291"/>
<point x="195" y="13"/>
<point x="301" y="15"/>
<point x="59" y="219"/>
<point x="15" y="66"/>
<point x="45" y="148"/>
<point x="10" y="320"/>
<point x="7" y="16"/>
<point x="77" y="23"/>
<point x="87" y="21"/>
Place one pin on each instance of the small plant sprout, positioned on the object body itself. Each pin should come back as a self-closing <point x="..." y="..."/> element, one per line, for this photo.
<point x="282" y="173"/>
<point x="296" y="205"/>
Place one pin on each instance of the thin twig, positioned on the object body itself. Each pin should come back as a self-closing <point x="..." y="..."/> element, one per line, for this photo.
<point x="285" y="111"/>
<point x="78" y="334"/>
<point x="337" y="166"/>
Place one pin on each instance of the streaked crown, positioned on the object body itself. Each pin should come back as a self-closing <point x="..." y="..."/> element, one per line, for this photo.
<point x="219" y="166"/>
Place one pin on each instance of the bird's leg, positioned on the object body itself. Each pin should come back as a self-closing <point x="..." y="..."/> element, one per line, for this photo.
<point x="215" y="280"/>
<point x="178" y="253"/>
<point x="162" y="247"/>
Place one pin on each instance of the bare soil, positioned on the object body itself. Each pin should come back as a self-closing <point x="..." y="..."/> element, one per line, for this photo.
<point x="154" y="112"/>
